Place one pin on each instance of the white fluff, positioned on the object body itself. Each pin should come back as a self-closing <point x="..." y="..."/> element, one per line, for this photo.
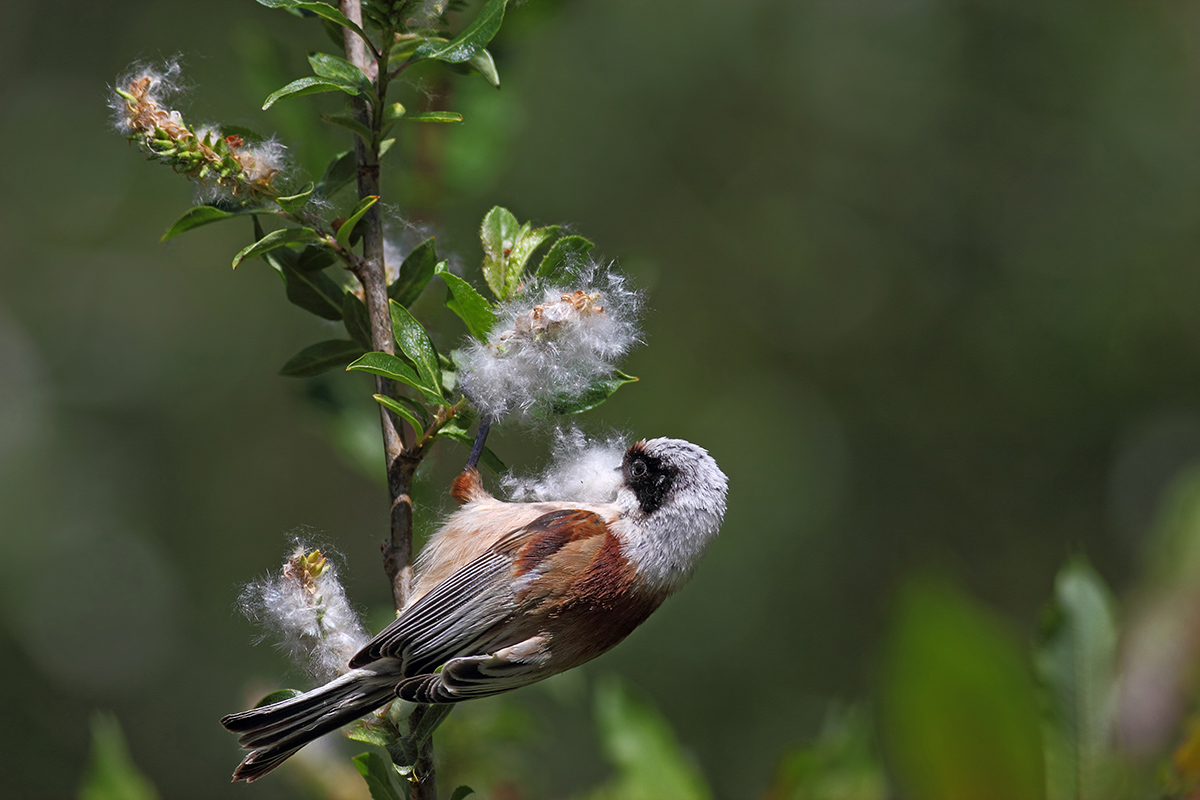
<point x="307" y="614"/>
<point x="164" y="82"/>
<point x="582" y="470"/>
<point x="552" y="343"/>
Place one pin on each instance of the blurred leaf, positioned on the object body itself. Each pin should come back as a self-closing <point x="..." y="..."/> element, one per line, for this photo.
<point x="393" y="367"/>
<point x="296" y="201"/>
<point x="468" y="304"/>
<point x="342" y="169"/>
<point x="340" y="71"/>
<point x="347" y="227"/>
<point x="959" y="712"/>
<point x="306" y="85"/>
<point x="1076" y="663"/>
<point x="111" y="773"/>
<point x="401" y="411"/>
<point x="278" y="696"/>
<point x="414" y="342"/>
<point x="414" y="274"/>
<point x="385" y="146"/>
<point x="595" y="394"/>
<point x="435" y="116"/>
<point x="840" y="765"/>
<point x="204" y="215"/>
<point x="641" y="745"/>
<point x="274" y="239"/>
<point x="472" y="39"/>
<point x="498" y="234"/>
<point x="320" y="357"/>
<point x="349" y="123"/>
<point x="486" y="66"/>
<point x="566" y="255"/>
<point x="356" y="319"/>
<point x="380" y="777"/>
<point x="462" y="792"/>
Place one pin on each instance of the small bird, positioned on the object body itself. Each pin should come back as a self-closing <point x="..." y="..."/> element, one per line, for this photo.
<point x="508" y="594"/>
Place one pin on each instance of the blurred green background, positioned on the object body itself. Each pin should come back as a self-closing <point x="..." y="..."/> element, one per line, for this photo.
<point x="922" y="277"/>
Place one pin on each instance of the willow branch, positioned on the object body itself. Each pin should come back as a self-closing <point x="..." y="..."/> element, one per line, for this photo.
<point x="372" y="274"/>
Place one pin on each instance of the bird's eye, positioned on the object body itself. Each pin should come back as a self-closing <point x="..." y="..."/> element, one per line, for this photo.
<point x="638" y="469"/>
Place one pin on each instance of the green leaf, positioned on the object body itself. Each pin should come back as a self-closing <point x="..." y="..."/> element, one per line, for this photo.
<point x="527" y="242"/>
<point x="641" y="745"/>
<point x="400" y="410"/>
<point x="498" y="234"/>
<point x="341" y="71"/>
<point x="393" y="367"/>
<point x="486" y="66"/>
<point x="435" y="116"/>
<point x="315" y="292"/>
<point x="349" y="123"/>
<point x="315" y="257"/>
<point x="474" y="37"/>
<point x="347" y="227"/>
<point x="414" y="274"/>
<point x="111" y="773"/>
<point x="468" y="304"/>
<point x="342" y="169"/>
<point x="1076" y="664"/>
<point x="322" y="10"/>
<point x="380" y="777"/>
<point x="356" y="319"/>
<point x="385" y="146"/>
<point x="413" y="341"/>
<point x="278" y="696"/>
<point x="461" y="793"/>
<point x="488" y="458"/>
<point x="295" y="202"/>
<point x="959" y="710"/>
<point x="321" y="357"/>
<point x="593" y="396"/>
<point x="566" y="255"/>
<point x="274" y="239"/>
<point x="369" y="732"/>
<point x="204" y="215"/>
<point x="307" y="85"/>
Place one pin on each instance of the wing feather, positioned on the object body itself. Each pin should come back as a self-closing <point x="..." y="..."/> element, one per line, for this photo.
<point x="475" y="609"/>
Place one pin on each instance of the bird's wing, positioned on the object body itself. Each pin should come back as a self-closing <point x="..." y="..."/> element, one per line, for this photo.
<point x="477" y="607"/>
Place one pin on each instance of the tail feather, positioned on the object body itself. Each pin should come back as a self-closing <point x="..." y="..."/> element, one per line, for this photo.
<point x="275" y="732"/>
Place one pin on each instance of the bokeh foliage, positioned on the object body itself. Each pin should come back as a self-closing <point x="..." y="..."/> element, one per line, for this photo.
<point x="950" y="248"/>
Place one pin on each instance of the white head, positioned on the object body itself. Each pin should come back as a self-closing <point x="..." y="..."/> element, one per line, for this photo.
<point x="673" y="496"/>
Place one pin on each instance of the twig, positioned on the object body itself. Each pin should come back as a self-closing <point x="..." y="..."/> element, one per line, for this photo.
<point x="372" y="274"/>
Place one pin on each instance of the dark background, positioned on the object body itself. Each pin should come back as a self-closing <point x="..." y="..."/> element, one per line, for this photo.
<point x="922" y="277"/>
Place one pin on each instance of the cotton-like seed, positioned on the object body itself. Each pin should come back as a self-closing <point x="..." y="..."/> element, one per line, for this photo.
<point x="582" y="470"/>
<point x="226" y="167"/>
<point x="552" y="344"/>
<point x="304" y="608"/>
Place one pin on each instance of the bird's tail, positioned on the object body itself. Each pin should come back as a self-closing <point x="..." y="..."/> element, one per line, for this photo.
<point x="273" y="733"/>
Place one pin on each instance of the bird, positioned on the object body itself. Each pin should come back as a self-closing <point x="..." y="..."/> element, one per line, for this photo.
<point x="510" y="593"/>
